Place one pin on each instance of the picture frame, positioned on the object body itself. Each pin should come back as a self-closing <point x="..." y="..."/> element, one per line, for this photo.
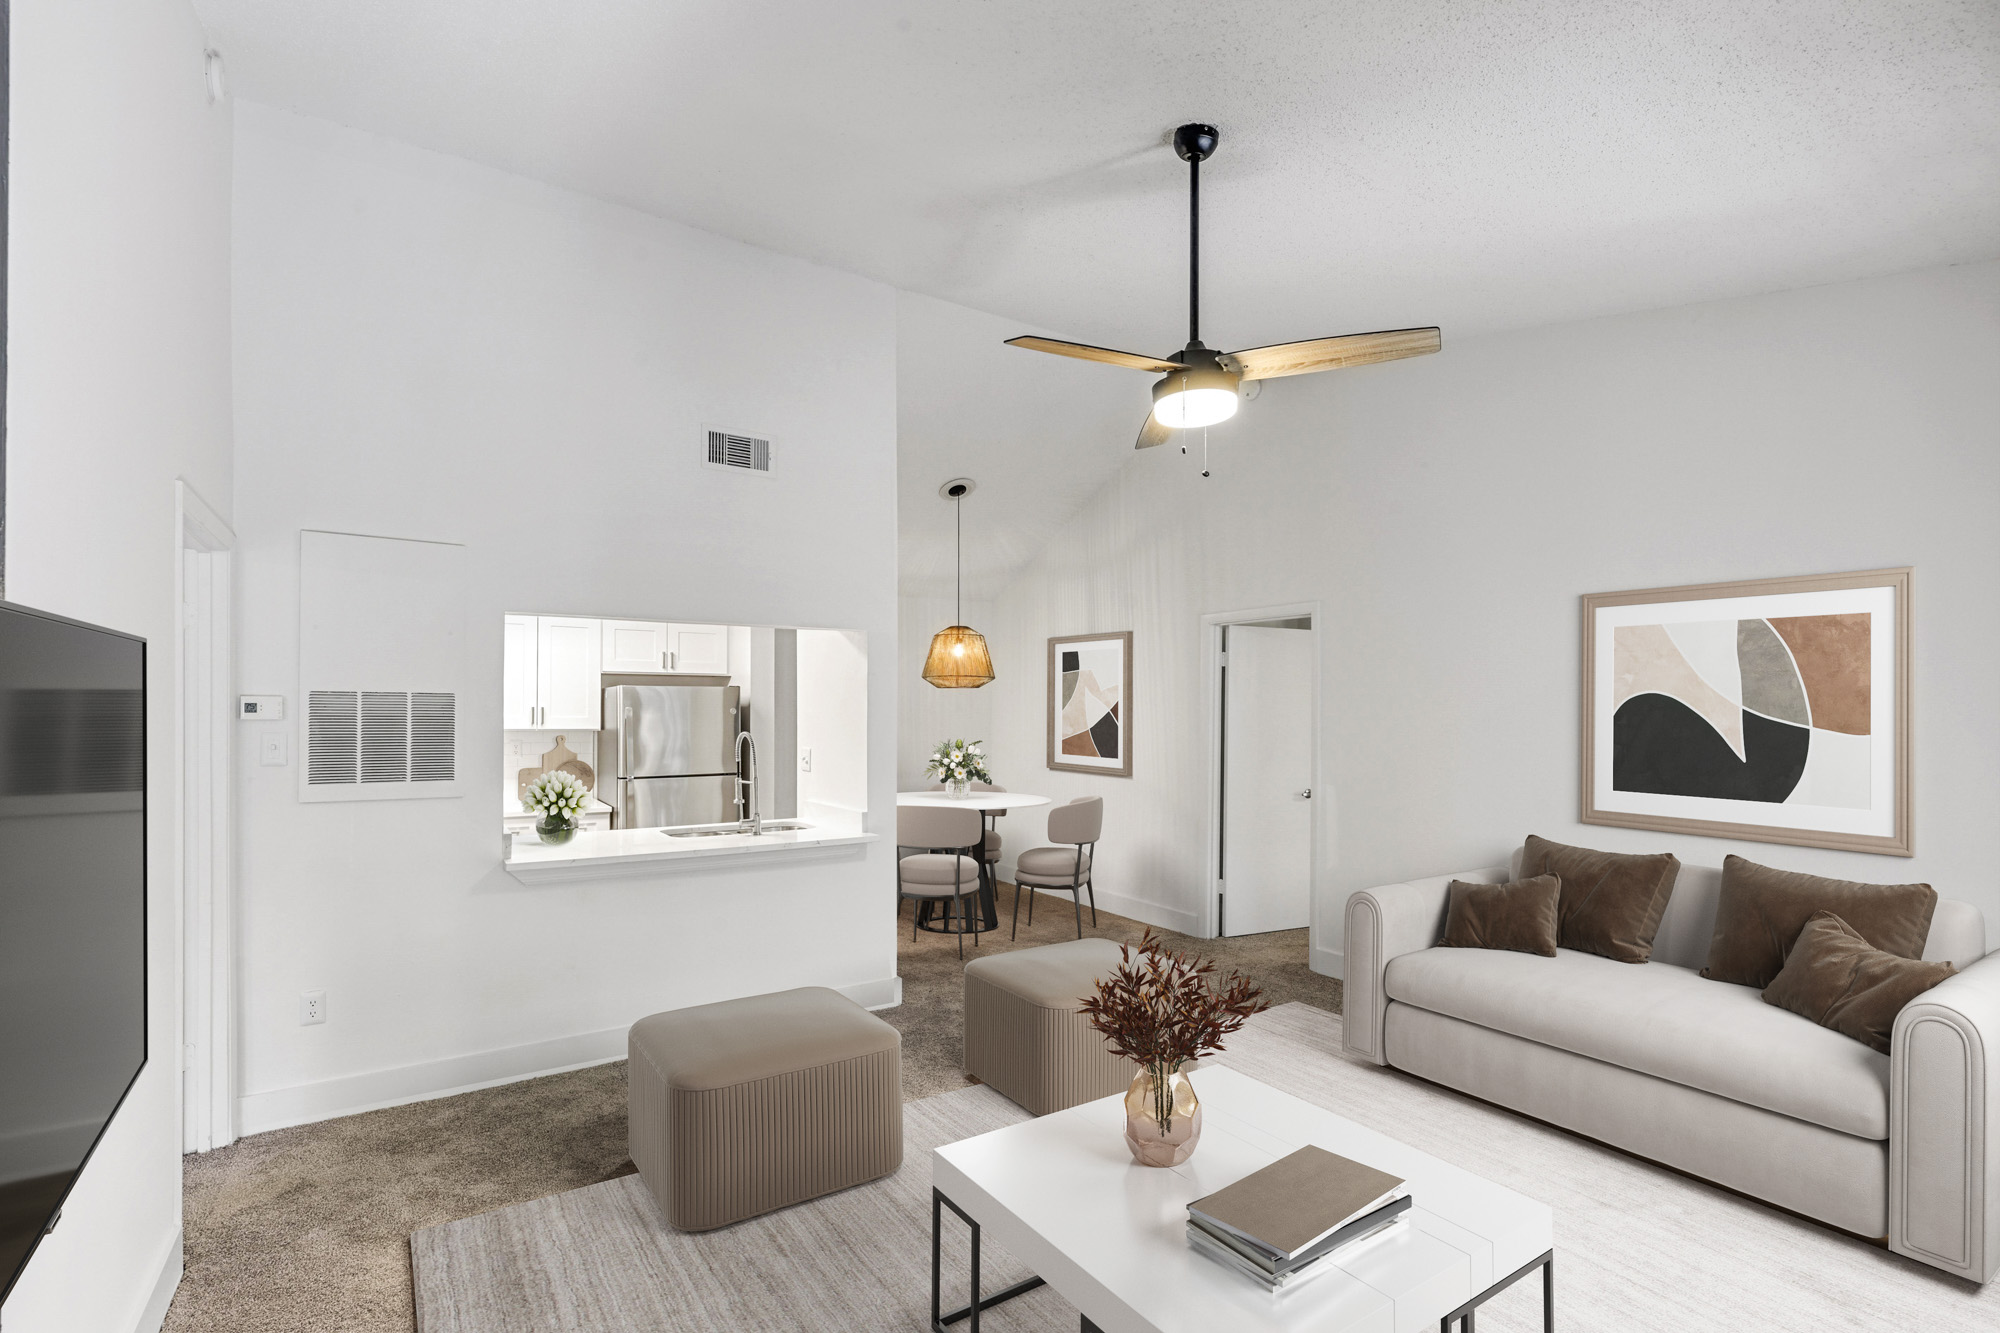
<point x="1771" y="710"/>
<point x="1090" y="704"/>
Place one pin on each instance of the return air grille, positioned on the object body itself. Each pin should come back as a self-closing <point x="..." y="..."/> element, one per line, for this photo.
<point x="383" y="739"/>
<point x="332" y="731"/>
<point x="746" y="452"/>
<point x="433" y="737"/>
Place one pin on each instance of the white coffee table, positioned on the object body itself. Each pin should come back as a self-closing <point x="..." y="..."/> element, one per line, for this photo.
<point x="1062" y="1194"/>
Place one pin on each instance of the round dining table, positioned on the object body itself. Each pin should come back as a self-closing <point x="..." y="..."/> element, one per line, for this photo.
<point x="988" y="803"/>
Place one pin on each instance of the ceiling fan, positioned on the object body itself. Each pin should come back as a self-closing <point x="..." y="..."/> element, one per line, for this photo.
<point x="1200" y="386"/>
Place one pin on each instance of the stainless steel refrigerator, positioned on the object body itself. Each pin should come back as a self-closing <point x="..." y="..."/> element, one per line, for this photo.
<point x="667" y="754"/>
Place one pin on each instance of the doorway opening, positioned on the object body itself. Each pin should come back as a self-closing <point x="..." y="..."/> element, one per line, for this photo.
<point x="1264" y="766"/>
<point x="207" y="862"/>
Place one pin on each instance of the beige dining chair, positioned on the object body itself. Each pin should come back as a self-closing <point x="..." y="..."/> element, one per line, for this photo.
<point x="1066" y="868"/>
<point x="989" y="849"/>
<point x="930" y="874"/>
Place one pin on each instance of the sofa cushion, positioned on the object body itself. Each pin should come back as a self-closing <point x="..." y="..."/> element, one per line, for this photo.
<point x="1839" y="981"/>
<point x="1518" y="915"/>
<point x="1658" y="1019"/>
<point x="1611" y="902"/>
<point x="1762" y="910"/>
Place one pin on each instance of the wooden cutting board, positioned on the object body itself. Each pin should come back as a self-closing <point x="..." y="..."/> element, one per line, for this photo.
<point x="560" y="759"/>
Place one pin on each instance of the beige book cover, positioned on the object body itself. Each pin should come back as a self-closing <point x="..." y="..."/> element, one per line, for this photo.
<point x="1297" y="1199"/>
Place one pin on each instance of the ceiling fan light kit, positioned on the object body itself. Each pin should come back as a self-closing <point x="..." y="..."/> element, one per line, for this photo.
<point x="1201" y="387"/>
<point x="958" y="659"/>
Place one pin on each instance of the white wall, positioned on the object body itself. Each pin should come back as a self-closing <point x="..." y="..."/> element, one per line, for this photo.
<point x="1447" y="512"/>
<point x="832" y="719"/>
<point x="118" y="350"/>
<point x="426" y="348"/>
<point x="926" y="714"/>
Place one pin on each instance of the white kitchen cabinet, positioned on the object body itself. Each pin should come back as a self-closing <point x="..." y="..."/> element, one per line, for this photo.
<point x="517" y="678"/>
<point x="698" y="648"/>
<point x="569" y="653"/>
<point x="636" y="645"/>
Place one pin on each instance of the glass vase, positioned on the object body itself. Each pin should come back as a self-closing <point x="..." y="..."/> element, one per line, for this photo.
<point x="1162" y="1118"/>
<point x="555" y="829"/>
<point x="958" y="787"/>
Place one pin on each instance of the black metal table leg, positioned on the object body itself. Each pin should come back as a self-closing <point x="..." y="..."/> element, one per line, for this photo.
<point x="1466" y="1315"/>
<point x="969" y="1311"/>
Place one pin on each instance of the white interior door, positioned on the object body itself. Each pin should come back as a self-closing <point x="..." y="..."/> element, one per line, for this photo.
<point x="567" y="668"/>
<point x="1267" y="749"/>
<point x="517" y="674"/>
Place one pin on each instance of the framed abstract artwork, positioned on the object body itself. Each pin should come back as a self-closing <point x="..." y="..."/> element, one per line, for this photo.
<point x="1776" y="710"/>
<point x="1090" y="703"/>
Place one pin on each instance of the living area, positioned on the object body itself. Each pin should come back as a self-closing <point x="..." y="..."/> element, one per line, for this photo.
<point x="1548" y="739"/>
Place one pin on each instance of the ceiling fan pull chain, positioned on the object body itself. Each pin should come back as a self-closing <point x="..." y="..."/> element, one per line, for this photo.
<point x="1204" y="451"/>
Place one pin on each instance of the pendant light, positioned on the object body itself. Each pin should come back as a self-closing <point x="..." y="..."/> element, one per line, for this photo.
<point x="958" y="658"/>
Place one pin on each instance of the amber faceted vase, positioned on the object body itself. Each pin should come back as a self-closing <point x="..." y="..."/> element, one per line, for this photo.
<point x="1162" y="1120"/>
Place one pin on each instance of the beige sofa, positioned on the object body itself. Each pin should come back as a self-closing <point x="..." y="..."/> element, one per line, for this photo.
<point x="1703" y="1075"/>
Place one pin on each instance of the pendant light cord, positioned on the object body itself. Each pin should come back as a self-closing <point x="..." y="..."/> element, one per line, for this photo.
<point x="958" y="567"/>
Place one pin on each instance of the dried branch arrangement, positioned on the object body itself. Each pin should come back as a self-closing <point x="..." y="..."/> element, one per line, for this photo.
<point x="1163" y="1010"/>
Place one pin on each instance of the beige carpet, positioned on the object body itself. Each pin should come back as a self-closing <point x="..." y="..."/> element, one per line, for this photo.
<point x="1637" y="1246"/>
<point x="602" y="1259"/>
<point x="308" y="1228"/>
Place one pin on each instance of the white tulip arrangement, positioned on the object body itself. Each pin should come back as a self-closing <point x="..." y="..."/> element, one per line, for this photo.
<point x="556" y="796"/>
<point x="958" y="761"/>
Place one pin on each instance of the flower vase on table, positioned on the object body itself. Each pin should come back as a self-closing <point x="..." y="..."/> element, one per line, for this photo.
<point x="957" y="764"/>
<point x="1163" y="1011"/>
<point x="559" y="799"/>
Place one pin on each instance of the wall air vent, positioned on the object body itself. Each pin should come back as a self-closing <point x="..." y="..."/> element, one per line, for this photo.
<point x="738" y="452"/>
<point x="380" y="738"/>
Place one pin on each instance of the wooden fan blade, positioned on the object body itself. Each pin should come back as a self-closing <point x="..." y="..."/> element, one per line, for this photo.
<point x="1085" y="352"/>
<point x="1349" y="349"/>
<point x="1152" y="433"/>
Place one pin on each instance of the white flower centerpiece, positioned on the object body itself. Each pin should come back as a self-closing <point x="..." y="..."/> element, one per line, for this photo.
<point x="559" y="799"/>
<point x="957" y="763"/>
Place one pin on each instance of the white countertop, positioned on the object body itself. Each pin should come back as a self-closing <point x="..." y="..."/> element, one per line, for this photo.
<point x="648" y="850"/>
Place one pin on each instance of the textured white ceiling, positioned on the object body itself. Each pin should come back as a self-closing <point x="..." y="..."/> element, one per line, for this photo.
<point x="1386" y="163"/>
<point x="1480" y="166"/>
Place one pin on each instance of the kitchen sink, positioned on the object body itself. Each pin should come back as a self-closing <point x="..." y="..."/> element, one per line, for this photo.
<point x="732" y="830"/>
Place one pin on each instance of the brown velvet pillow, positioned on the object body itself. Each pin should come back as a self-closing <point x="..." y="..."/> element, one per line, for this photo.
<point x="1761" y="911"/>
<point x="1611" y="904"/>
<point x="1840" y="981"/>
<point x="1520" y="916"/>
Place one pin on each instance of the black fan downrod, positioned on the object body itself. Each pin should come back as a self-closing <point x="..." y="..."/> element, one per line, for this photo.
<point x="1194" y="144"/>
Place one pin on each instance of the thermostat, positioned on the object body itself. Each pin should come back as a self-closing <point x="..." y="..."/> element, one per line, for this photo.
<point x="260" y="707"/>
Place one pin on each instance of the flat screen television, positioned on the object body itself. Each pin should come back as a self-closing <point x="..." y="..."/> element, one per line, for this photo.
<point x="72" y="907"/>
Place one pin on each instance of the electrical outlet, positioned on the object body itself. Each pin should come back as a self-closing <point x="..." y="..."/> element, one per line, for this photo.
<point x="805" y="761"/>
<point x="312" y="1007"/>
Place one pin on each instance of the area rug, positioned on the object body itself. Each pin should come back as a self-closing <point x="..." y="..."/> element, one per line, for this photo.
<point x="1637" y="1246"/>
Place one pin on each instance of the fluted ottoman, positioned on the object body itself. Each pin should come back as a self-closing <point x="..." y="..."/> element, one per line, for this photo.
<point x="1023" y="1035"/>
<point x="751" y="1105"/>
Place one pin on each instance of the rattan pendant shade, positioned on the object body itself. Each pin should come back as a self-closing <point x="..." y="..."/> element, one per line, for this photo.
<point x="958" y="659"/>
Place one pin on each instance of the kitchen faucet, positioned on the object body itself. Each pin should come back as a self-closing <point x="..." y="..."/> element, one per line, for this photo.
<point x="752" y="821"/>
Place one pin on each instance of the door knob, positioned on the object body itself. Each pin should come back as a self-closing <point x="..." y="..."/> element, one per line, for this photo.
<point x="1307" y="793"/>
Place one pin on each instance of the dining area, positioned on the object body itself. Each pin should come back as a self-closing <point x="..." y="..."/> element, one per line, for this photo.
<point x="951" y="842"/>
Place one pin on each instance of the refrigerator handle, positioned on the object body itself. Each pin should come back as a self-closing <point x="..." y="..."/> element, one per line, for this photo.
<point x="625" y="744"/>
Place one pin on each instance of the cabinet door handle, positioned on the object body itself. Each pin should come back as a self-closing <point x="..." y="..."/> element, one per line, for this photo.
<point x="666" y="661"/>
<point x="672" y="658"/>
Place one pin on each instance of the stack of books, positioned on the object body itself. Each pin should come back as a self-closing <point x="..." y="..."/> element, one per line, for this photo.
<point x="1283" y="1224"/>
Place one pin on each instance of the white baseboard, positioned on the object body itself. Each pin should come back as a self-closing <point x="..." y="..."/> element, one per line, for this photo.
<point x="1139" y="909"/>
<point x="164" y="1286"/>
<point x="306" y="1103"/>
<point x="886" y="993"/>
<point x="1328" y="962"/>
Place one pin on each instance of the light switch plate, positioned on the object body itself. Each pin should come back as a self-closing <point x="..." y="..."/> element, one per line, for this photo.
<point x="273" y="747"/>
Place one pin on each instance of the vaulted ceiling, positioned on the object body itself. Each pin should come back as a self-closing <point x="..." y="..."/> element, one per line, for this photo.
<point x="1478" y="166"/>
